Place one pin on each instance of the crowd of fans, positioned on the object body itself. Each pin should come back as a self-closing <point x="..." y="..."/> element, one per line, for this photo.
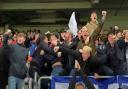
<point x="91" y="52"/>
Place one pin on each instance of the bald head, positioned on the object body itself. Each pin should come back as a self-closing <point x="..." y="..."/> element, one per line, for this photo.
<point x="80" y="86"/>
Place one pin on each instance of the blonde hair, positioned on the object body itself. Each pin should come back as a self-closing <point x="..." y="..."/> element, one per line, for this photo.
<point x="21" y="35"/>
<point x="86" y="49"/>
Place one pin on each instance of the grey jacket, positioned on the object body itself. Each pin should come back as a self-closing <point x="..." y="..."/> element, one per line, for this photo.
<point x="17" y="57"/>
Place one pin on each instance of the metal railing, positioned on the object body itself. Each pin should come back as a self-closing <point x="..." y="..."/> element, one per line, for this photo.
<point x="44" y="77"/>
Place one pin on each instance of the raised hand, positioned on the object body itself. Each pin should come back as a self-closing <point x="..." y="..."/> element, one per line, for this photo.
<point x="8" y="32"/>
<point x="56" y="49"/>
<point x="77" y="65"/>
<point x="104" y="13"/>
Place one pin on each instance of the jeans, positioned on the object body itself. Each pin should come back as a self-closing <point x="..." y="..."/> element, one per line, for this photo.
<point x="15" y="83"/>
<point x="56" y="70"/>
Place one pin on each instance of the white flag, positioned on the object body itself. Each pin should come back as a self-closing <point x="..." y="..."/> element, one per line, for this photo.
<point x="73" y="24"/>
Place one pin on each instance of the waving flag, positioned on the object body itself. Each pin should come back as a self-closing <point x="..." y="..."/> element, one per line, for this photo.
<point x="29" y="57"/>
<point x="73" y="24"/>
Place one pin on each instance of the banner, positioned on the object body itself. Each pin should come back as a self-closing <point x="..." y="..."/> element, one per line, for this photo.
<point x="123" y="82"/>
<point x="104" y="83"/>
